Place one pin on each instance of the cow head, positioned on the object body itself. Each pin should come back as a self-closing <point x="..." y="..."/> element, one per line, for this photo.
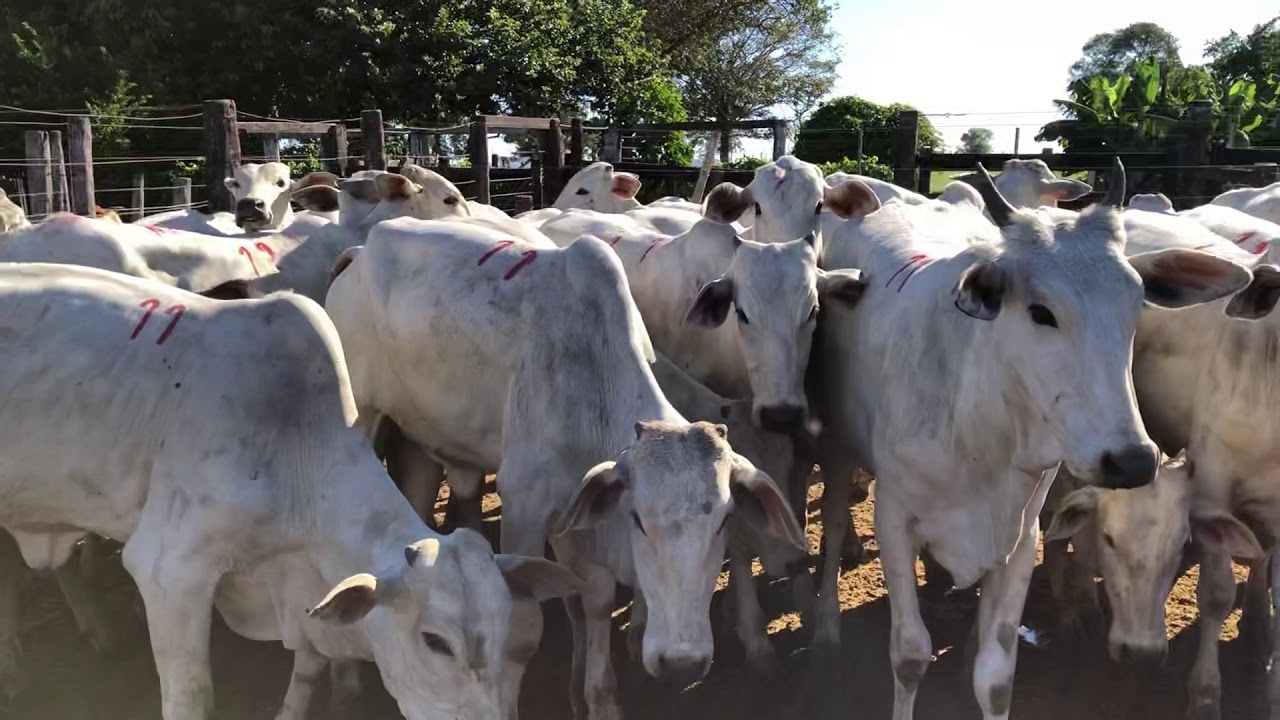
<point x="1139" y="538"/>
<point x="1152" y="202"/>
<point x="1062" y="303"/>
<point x="1031" y="184"/>
<point x="599" y="187"/>
<point x="785" y="200"/>
<point x="261" y="195"/>
<point x="673" y="490"/>
<point x="441" y="635"/>
<point x="776" y="291"/>
<point x="413" y="192"/>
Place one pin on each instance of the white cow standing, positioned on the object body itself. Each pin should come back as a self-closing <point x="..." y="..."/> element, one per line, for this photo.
<point x="11" y="215"/>
<point x="262" y="194"/>
<point x="600" y="188"/>
<point x="972" y="370"/>
<point x="214" y="440"/>
<point x="1261" y="202"/>
<point x="521" y="329"/>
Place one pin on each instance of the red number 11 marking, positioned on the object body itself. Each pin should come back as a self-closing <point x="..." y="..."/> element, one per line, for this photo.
<point x="151" y="305"/>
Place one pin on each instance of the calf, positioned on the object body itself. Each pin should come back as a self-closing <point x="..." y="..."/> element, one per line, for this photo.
<point x="263" y="195"/>
<point x="232" y="475"/>
<point x="510" y="331"/>
<point x="996" y="361"/>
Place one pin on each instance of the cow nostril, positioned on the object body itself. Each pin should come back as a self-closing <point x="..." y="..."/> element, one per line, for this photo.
<point x="259" y="205"/>
<point x="1131" y="467"/>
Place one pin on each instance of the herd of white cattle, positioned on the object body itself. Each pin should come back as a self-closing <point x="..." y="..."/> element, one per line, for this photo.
<point x="219" y="393"/>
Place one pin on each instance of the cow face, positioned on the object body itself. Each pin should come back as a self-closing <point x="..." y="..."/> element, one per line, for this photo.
<point x="441" y="636"/>
<point x="262" y="194"/>
<point x="1063" y="304"/>
<point x="1139" y="538"/>
<point x="673" y="490"/>
<point x="415" y="192"/>
<point x="1031" y="184"/>
<point x="775" y="290"/>
<point x="599" y="187"/>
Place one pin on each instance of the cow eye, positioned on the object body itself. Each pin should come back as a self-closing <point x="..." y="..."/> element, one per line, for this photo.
<point x="437" y="644"/>
<point x="1040" y="315"/>
<point x="639" y="525"/>
<point x="581" y="191"/>
<point x="451" y="200"/>
<point x="813" y="314"/>
<point x="1111" y="543"/>
<point x="280" y="183"/>
<point x="235" y="184"/>
<point x="742" y="317"/>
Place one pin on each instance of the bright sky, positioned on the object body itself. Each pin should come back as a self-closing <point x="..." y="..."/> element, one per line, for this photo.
<point x="1001" y="62"/>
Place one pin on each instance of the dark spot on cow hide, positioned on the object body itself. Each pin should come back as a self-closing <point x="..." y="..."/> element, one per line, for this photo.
<point x="177" y="385"/>
<point x="706" y="508"/>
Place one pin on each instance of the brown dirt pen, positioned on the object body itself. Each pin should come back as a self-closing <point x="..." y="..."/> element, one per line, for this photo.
<point x="66" y="681"/>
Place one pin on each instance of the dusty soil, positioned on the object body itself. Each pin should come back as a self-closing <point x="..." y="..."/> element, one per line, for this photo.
<point x="1059" y="680"/>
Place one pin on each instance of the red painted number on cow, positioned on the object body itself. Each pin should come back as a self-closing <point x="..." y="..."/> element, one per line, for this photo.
<point x="249" y="254"/>
<point x="1263" y="243"/>
<point x="526" y="257"/>
<point x="266" y="250"/>
<point x="151" y="305"/>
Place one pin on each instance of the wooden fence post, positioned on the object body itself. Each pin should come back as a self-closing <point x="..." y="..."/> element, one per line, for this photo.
<point x="611" y="146"/>
<point x="373" y="135"/>
<point x="138" y="196"/>
<point x="39" y="174"/>
<point x="222" y="153"/>
<point x="535" y="182"/>
<point x="182" y="193"/>
<point x="80" y="165"/>
<point x="478" y="148"/>
<point x="334" y="146"/>
<point x="925" y="182"/>
<point x="1185" y="184"/>
<point x="576" y="142"/>
<point x="905" y="138"/>
<point x="417" y="146"/>
<point x="271" y="148"/>
<point x="708" y="162"/>
<point x="779" y="138"/>
<point x="553" y="161"/>
<point x="58" y="164"/>
<point x="524" y="203"/>
<point x="20" y="190"/>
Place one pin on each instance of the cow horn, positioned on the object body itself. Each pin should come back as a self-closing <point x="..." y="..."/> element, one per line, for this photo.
<point x="1116" y="182"/>
<point x="1000" y="209"/>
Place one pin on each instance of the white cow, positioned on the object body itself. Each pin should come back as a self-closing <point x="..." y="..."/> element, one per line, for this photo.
<point x="962" y="377"/>
<point x="1261" y="202"/>
<point x="214" y="440"/>
<point x="263" y="195"/>
<point x="11" y="215"/>
<point x="599" y="187"/>
<point x="1031" y="184"/>
<point x="1250" y="233"/>
<point x="510" y="331"/>
<point x="430" y="196"/>
<point x="186" y="260"/>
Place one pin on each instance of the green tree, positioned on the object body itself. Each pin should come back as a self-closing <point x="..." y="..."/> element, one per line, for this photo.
<point x="976" y="141"/>
<point x="830" y="133"/>
<point x="1112" y="54"/>
<point x="1252" y="58"/>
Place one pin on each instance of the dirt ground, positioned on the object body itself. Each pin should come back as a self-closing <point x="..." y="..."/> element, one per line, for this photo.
<point x="1058" y="680"/>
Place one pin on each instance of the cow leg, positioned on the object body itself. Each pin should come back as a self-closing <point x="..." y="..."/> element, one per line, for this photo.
<point x="466" y="487"/>
<point x="750" y="618"/>
<point x="910" y="647"/>
<point x="90" y="620"/>
<point x="578" y="668"/>
<point x="415" y="473"/>
<point x="344" y="687"/>
<point x="1255" y="616"/>
<point x="600" y="686"/>
<point x="1215" y="596"/>
<point x="308" y="669"/>
<point x="177" y="588"/>
<point x="1004" y="593"/>
<point x="835" y="524"/>
<point x="12" y="571"/>
<point x="526" y="523"/>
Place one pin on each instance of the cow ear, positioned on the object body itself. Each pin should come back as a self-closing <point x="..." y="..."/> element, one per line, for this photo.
<point x="625" y="184"/>
<point x="851" y="198"/>
<point x="538" y="577"/>
<point x="318" y="177"/>
<point x="1219" y="533"/>
<point x="844" y="286"/>
<point x="596" y="498"/>
<point x="1074" y="512"/>
<point x="1260" y="297"/>
<point x="396" y="188"/>
<point x="1178" y="278"/>
<point x="1066" y="189"/>
<point x="317" y="198"/>
<point x="353" y="598"/>
<point x="757" y="499"/>
<point x="711" y="307"/>
<point x="981" y="289"/>
<point x="726" y="202"/>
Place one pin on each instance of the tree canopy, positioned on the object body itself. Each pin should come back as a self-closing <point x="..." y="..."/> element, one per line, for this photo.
<point x="1114" y="53"/>
<point x="829" y="134"/>
<point x="976" y="141"/>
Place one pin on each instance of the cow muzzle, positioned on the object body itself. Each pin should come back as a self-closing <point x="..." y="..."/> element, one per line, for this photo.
<point x="1129" y="467"/>
<point x="681" y="672"/>
<point x="1140" y="655"/>
<point x="252" y="212"/>
<point x="780" y="418"/>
